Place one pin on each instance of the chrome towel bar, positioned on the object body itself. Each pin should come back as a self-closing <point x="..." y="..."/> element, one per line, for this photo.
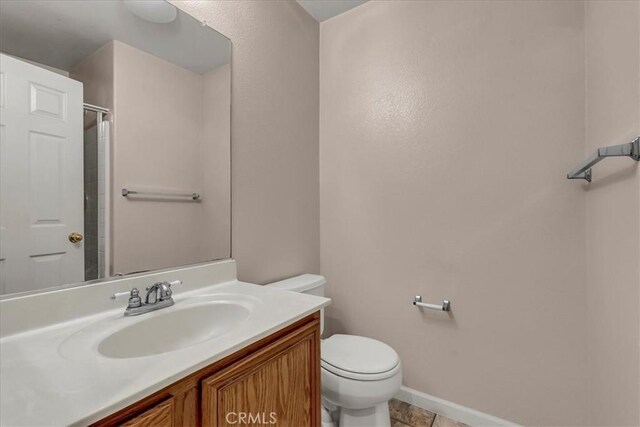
<point x="630" y="149"/>
<point x="127" y="192"/>
<point x="445" y="306"/>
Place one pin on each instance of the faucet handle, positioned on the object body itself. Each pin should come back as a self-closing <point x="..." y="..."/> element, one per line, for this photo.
<point x="134" y="297"/>
<point x="119" y="295"/>
<point x="166" y="293"/>
<point x="174" y="282"/>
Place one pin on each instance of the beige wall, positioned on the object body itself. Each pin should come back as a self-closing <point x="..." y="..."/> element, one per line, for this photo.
<point x="613" y="213"/>
<point x="171" y="132"/>
<point x="216" y="170"/>
<point x="274" y="74"/>
<point x="157" y="145"/>
<point x="96" y="74"/>
<point x="159" y="140"/>
<point x="446" y="130"/>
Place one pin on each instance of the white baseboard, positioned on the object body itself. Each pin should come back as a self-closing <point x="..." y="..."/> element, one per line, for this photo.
<point x="449" y="409"/>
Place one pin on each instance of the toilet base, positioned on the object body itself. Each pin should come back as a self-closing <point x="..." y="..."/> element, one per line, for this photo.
<point x="328" y="416"/>
<point x="377" y="416"/>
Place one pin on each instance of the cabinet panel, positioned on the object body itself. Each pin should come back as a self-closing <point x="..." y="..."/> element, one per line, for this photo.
<point x="159" y="416"/>
<point x="276" y="386"/>
<point x="187" y="408"/>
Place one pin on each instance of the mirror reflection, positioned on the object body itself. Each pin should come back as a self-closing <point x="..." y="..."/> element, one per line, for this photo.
<point x="115" y="141"/>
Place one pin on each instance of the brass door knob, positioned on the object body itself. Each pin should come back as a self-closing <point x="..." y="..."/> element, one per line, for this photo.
<point x="75" y="237"/>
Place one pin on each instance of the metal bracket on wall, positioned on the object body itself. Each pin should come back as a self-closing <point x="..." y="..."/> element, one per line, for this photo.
<point x="630" y="149"/>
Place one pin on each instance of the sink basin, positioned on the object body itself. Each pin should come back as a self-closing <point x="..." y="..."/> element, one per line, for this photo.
<point x="191" y="321"/>
<point x="173" y="330"/>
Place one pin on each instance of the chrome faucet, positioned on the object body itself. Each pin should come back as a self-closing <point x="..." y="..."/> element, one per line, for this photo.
<point x="159" y="295"/>
<point x="160" y="291"/>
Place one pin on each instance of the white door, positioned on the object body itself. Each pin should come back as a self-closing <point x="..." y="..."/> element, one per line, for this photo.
<point x="41" y="177"/>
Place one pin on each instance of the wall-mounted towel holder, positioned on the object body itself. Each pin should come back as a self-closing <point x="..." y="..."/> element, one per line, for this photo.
<point x="630" y="149"/>
<point x="126" y="192"/>
<point x="445" y="306"/>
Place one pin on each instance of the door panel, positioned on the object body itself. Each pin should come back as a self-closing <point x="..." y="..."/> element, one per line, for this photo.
<point x="46" y="170"/>
<point x="41" y="177"/>
<point x="48" y="102"/>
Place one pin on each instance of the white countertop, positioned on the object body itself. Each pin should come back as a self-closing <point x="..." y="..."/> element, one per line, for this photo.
<point x="41" y="385"/>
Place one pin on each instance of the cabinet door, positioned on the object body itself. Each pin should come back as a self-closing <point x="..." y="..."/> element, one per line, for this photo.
<point x="278" y="385"/>
<point x="159" y="416"/>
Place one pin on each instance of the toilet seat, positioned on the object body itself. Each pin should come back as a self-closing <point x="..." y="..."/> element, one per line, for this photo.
<point x="359" y="358"/>
<point x="360" y="377"/>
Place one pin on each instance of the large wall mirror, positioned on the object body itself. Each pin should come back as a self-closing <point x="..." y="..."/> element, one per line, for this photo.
<point x="115" y="141"/>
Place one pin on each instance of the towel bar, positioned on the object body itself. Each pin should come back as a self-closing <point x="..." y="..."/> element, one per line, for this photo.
<point x="445" y="306"/>
<point x="126" y="192"/>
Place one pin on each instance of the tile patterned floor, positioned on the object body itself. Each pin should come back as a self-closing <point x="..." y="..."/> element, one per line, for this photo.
<point x="405" y="415"/>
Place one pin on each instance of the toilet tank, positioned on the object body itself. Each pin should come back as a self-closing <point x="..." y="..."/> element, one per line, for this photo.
<point x="311" y="284"/>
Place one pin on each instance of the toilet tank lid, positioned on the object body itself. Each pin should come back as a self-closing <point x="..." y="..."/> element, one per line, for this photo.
<point x="301" y="283"/>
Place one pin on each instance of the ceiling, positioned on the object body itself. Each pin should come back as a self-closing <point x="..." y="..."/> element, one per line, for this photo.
<point x="322" y="10"/>
<point x="62" y="33"/>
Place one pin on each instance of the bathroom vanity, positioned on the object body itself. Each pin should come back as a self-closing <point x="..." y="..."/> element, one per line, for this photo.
<point x="224" y="352"/>
<point x="273" y="381"/>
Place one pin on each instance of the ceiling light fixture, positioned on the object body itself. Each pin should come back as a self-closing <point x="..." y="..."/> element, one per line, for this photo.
<point x="158" y="11"/>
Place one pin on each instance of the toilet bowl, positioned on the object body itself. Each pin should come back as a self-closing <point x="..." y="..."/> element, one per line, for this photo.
<point x="359" y="375"/>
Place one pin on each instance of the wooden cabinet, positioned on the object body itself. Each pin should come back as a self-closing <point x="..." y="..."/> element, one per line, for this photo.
<point x="273" y="382"/>
<point x="274" y="386"/>
<point x="161" y="415"/>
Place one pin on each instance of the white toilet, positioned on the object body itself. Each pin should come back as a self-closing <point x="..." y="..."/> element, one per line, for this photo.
<point x="359" y="375"/>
